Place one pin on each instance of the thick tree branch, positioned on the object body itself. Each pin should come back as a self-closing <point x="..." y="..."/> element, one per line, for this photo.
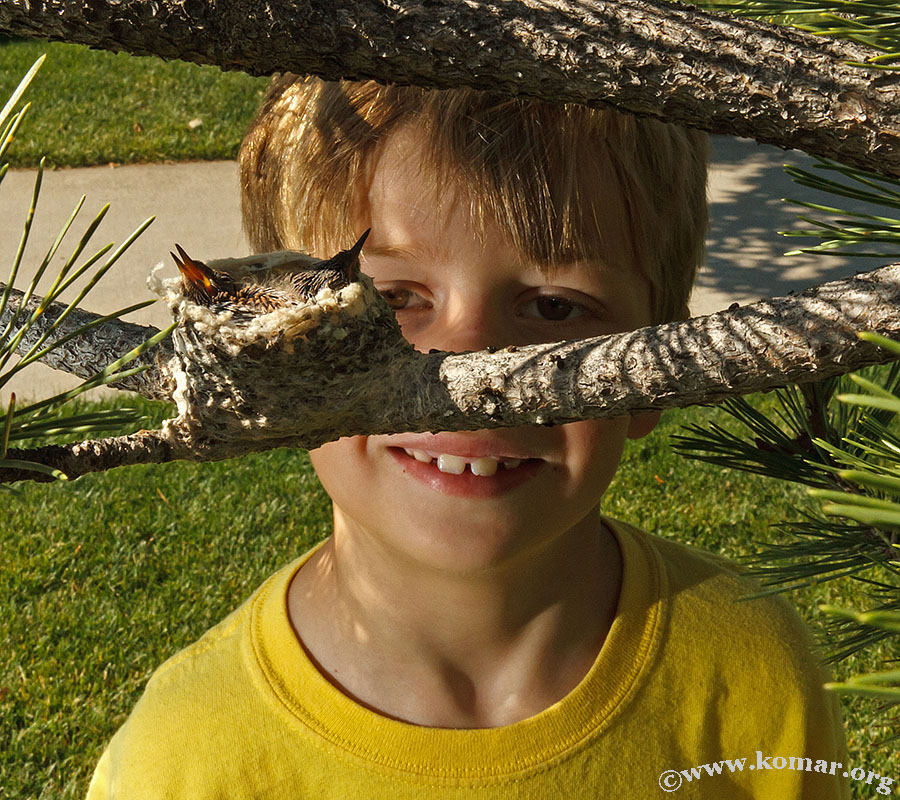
<point x="356" y="375"/>
<point x="674" y="62"/>
<point x="74" y="460"/>
<point x="90" y="352"/>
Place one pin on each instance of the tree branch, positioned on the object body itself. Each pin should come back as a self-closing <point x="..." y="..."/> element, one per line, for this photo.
<point x="74" y="460"/>
<point x="352" y="373"/>
<point x="88" y="353"/>
<point x="674" y="62"/>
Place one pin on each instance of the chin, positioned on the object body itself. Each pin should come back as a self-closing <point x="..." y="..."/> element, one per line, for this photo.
<point x="466" y="546"/>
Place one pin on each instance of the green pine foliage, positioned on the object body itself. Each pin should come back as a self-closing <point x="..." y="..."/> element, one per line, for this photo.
<point x="874" y="23"/>
<point x="840" y="438"/>
<point x="856" y="233"/>
<point x="52" y="418"/>
<point x="845" y="447"/>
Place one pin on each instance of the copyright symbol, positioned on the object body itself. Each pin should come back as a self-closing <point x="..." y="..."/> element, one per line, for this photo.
<point x="670" y="781"/>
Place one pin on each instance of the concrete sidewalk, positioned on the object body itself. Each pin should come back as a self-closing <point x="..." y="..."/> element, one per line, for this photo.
<point x="197" y="205"/>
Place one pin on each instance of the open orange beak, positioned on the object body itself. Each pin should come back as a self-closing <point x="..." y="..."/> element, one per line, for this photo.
<point x="196" y="273"/>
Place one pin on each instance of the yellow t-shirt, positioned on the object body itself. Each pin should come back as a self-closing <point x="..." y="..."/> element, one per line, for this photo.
<point x="687" y="680"/>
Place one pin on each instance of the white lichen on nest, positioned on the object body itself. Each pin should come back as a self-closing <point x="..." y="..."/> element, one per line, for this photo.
<point x="233" y="332"/>
<point x="220" y="389"/>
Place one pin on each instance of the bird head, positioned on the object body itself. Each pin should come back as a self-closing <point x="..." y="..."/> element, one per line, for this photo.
<point x="201" y="284"/>
<point x="261" y="289"/>
<point x="335" y="272"/>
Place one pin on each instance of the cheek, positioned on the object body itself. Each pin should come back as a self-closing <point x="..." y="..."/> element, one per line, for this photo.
<point x="419" y="330"/>
<point x="351" y="472"/>
<point x="594" y="449"/>
<point x="340" y="462"/>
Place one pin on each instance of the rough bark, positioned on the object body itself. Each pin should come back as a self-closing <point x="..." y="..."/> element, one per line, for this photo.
<point x="674" y="62"/>
<point x="74" y="460"/>
<point x="90" y="352"/>
<point x="370" y="381"/>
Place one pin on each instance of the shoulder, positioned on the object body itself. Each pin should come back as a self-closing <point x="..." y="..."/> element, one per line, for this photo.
<point x="738" y="670"/>
<point x="206" y="663"/>
<point x="717" y="619"/>
<point x="722" y="593"/>
<point x="181" y="737"/>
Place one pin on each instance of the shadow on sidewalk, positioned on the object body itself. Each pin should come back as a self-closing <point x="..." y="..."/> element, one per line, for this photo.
<point x="745" y="260"/>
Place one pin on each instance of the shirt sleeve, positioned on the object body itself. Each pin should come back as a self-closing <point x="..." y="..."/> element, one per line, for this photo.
<point x="99" y="789"/>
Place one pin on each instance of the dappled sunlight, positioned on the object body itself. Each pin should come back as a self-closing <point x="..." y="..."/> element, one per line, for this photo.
<point x="745" y="258"/>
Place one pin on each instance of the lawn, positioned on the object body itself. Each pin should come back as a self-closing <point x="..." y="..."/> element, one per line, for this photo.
<point x="104" y="578"/>
<point x="94" y="107"/>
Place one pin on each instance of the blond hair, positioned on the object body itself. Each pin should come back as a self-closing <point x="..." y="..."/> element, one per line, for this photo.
<point x="563" y="182"/>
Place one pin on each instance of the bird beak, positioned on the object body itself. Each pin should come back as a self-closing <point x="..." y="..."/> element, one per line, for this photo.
<point x="354" y="251"/>
<point x="347" y="261"/>
<point x="193" y="273"/>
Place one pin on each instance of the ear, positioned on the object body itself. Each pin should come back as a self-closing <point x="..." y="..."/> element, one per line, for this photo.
<point x="640" y="425"/>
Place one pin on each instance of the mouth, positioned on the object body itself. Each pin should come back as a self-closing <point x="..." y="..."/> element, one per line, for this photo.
<point x="465" y="476"/>
<point x="483" y="467"/>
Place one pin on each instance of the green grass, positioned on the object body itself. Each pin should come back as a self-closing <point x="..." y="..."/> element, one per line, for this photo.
<point x="104" y="578"/>
<point x="93" y="107"/>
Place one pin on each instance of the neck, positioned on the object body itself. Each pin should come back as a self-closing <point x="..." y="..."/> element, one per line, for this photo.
<point x="474" y="649"/>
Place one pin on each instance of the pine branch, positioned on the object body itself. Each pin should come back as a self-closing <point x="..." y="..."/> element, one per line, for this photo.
<point x="370" y="381"/>
<point x="88" y="353"/>
<point x="75" y="460"/>
<point x="676" y="63"/>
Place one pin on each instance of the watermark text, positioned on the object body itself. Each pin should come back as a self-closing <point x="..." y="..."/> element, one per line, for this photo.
<point x="673" y="779"/>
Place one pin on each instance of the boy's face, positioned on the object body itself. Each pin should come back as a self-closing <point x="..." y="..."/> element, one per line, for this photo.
<point x="454" y="291"/>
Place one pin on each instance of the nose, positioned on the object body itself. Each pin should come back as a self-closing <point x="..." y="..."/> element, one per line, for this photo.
<point x="467" y="322"/>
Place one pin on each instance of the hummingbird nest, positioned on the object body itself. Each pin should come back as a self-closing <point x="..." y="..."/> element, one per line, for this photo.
<point x="244" y="375"/>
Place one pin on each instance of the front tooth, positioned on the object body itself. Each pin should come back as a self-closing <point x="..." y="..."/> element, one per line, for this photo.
<point x="420" y="455"/>
<point x="455" y="465"/>
<point x="484" y="467"/>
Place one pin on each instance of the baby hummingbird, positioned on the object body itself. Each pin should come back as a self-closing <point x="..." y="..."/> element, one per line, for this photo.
<point x="259" y="292"/>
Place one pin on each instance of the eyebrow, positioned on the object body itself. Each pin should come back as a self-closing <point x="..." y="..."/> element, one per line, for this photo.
<point x="393" y="250"/>
<point x="411" y="251"/>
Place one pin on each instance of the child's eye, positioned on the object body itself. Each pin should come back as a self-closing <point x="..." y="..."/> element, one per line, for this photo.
<point x="554" y="308"/>
<point x="396" y="298"/>
<point x="400" y="298"/>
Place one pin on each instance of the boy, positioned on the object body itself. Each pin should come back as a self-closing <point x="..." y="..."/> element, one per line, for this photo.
<point x="473" y="627"/>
